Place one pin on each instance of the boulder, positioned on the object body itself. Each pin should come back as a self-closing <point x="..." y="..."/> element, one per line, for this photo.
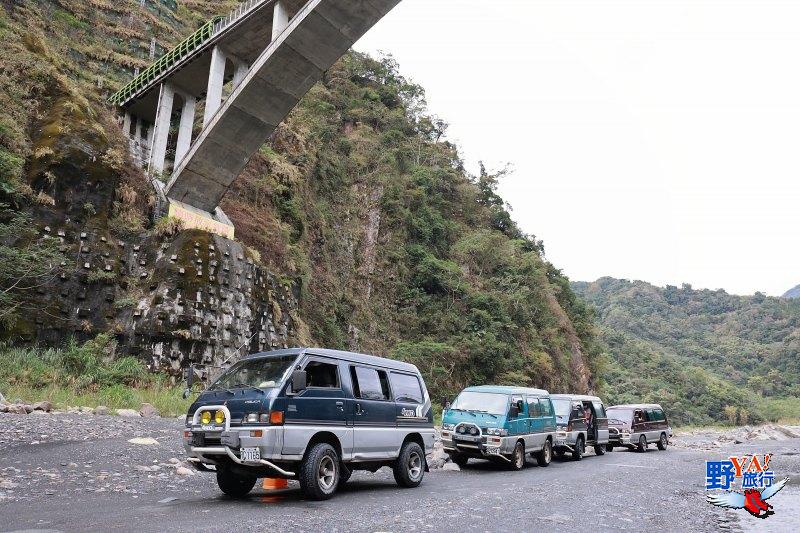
<point x="451" y="467"/>
<point x="148" y="411"/>
<point x="101" y="410"/>
<point x="128" y="413"/>
<point x="43" y="406"/>
<point x="183" y="471"/>
<point x="17" y="409"/>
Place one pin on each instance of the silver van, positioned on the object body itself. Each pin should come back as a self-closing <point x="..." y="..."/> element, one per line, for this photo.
<point x="314" y="415"/>
<point x="582" y="421"/>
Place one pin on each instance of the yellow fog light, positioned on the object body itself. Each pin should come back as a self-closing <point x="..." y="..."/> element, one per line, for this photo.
<point x="219" y="417"/>
<point x="205" y="418"/>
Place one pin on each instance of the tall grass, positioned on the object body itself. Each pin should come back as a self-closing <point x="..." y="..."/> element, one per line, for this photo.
<point x="85" y="375"/>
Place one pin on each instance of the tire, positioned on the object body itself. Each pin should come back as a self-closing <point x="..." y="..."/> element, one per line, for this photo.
<point x="409" y="469"/>
<point x="600" y="449"/>
<point x="544" y="457"/>
<point x="517" y="457"/>
<point x="662" y="442"/>
<point x="233" y="485"/>
<point x="609" y="447"/>
<point x="460" y="460"/>
<point x="579" y="449"/>
<point x="319" y="472"/>
<point x="642" y="446"/>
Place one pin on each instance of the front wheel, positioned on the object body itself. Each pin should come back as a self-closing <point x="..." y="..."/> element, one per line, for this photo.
<point x="518" y="457"/>
<point x="410" y="466"/>
<point x="579" y="449"/>
<point x="319" y="472"/>
<point x="609" y="447"/>
<point x="599" y="449"/>
<point x="642" y="447"/>
<point x="545" y="456"/>
<point x="233" y="485"/>
<point x="662" y="442"/>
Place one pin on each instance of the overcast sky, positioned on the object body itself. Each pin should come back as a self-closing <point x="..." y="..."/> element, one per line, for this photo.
<point x="653" y="140"/>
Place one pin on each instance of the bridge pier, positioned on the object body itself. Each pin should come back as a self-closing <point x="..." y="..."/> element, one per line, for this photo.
<point x="280" y="18"/>
<point x="185" y="127"/>
<point x="158" y="148"/>
<point x="216" y="79"/>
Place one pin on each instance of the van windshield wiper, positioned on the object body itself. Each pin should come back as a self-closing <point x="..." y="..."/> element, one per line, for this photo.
<point x="463" y="410"/>
<point x="243" y="386"/>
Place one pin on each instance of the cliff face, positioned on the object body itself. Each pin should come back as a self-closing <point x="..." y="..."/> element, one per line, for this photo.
<point x="357" y="225"/>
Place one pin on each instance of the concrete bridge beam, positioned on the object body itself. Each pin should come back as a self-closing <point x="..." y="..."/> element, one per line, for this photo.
<point x="185" y="127"/>
<point x="158" y="148"/>
<point x="216" y="80"/>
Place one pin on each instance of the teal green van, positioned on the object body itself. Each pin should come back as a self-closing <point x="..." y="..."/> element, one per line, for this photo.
<point x="501" y="424"/>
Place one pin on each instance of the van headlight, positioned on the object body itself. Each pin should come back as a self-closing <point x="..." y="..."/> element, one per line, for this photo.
<point x="449" y="427"/>
<point x="251" y="418"/>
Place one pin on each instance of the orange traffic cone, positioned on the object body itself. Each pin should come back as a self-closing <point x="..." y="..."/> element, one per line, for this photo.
<point x="275" y="483"/>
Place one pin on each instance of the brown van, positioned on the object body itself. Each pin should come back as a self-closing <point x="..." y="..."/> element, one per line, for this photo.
<point x="637" y="425"/>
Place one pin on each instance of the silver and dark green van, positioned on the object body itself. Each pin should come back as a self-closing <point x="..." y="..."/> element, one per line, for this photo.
<point x="314" y="415"/>
<point x="499" y="423"/>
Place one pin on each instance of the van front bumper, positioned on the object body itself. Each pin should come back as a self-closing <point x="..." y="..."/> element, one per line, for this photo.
<point x="210" y="446"/>
<point x="483" y="446"/>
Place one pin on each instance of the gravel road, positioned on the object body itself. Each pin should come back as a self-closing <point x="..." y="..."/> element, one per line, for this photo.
<point x="67" y="472"/>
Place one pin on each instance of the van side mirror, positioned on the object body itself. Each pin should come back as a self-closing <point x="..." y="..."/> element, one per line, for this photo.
<point x="188" y="376"/>
<point x="299" y="381"/>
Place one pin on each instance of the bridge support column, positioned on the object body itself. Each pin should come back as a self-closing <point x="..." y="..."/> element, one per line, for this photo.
<point x="158" y="148"/>
<point x="216" y="79"/>
<point x="240" y="73"/>
<point x="280" y="19"/>
<point x="126" y="124"/>
<point x="185" y="127"/>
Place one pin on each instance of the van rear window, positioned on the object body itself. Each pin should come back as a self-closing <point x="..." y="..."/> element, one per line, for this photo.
<point x="406" y="388"/>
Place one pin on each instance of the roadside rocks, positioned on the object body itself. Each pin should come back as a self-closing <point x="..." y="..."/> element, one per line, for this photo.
<point x="128" y="413"/>
<point x="43" y="406"/>
<point x="707" y="439"/>
<point x="148" y="411"/>
<point x="102" y="410"/>
<point x="18" y="409"/>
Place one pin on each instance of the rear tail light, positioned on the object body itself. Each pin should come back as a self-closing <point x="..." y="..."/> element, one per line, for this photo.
<point x="257" y="433"/>
<point x="276" y="418"/>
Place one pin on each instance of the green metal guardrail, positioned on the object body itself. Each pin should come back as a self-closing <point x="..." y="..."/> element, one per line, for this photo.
<point x="165" y="62"/>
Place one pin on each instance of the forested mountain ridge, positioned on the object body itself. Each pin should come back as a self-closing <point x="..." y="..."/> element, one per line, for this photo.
<point x="794" y="292"/>
<point x="708" y="354"/>
<point x="358" y="203"/>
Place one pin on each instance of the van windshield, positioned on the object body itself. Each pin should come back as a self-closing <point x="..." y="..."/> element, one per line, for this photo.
<point x="620" y="415"/>
<point x="562" y="408"/>
<point x="262" y="373"/>
<point x="481" y="402"/>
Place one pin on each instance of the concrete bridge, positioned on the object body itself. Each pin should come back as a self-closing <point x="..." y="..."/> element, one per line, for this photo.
<point x="248" y="70"/>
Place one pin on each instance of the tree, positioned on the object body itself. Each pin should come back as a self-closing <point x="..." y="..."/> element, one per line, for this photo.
<point x="26" y="263"/>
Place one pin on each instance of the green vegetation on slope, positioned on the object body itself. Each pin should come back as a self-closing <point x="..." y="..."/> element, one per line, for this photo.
<point x="707" y="355"/>
<point x="402" y="252"/>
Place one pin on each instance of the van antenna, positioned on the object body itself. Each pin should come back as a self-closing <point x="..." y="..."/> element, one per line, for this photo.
<point x="240" y="348"/>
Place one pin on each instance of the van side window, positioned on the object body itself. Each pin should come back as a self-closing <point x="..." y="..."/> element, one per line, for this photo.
<point x="533" y="408"/>
<point x="599" y="410"/>
<point x="651" y="415"/>
<point x="406" y="388"/>
<point x="322" y="375"/>
<point x="369" y="384"/>
<point x="638" y="416"/>
<point x="546" y="407"/>
<point x="659" y="415"/>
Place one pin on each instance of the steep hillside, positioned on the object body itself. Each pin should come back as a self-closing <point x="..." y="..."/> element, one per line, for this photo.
<point x="357" y="204"/>
<point x="709" y="355"/>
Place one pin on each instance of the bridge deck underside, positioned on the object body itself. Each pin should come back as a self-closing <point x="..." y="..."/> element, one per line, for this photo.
<point x="317" y="36"/>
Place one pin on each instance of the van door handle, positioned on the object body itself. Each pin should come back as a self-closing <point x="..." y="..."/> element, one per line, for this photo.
<point x="358" y="409"/>
<point x="340" y="405"/>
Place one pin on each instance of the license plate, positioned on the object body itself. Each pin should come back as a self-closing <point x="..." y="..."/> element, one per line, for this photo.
<point x="492" y="451"/>
<point x="251" y="455"/>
